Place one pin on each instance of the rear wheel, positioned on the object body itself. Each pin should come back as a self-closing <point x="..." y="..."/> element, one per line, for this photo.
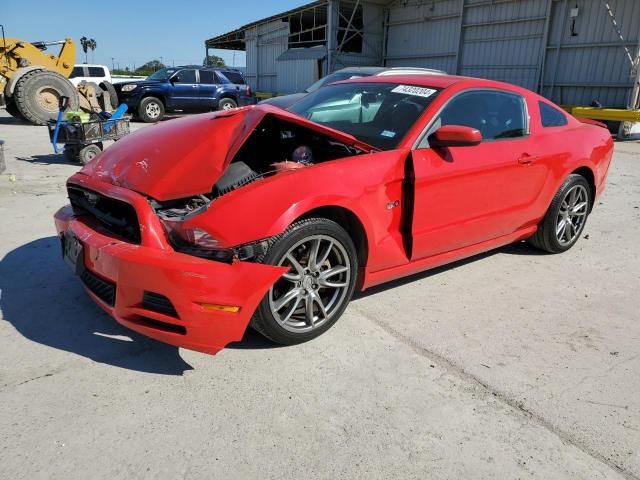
<point x="308" y="299"/>
<point x="71" y="153"/>
<point x="151" y="110"/>
<point x="88" y="153"/>
<point x="37" y="95"/>
<point x="564" y="222"/>
<point x="227" y="104"/>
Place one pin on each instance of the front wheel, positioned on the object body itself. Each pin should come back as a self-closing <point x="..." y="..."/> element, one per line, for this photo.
<point x="308" y="299"/>
<point x="151" y="110"/>
<point x="564" y="222"/>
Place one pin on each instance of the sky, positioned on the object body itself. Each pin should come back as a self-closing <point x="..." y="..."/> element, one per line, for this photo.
<point x="136" y="31"/>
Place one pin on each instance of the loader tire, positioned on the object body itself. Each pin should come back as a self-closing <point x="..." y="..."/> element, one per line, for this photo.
<point x="12" y="110"/>
<point x="113" y="95"/>
<point x="37" y="95"/>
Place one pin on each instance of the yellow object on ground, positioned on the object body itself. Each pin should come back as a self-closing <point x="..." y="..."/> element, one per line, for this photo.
<point x="70" y="116"/>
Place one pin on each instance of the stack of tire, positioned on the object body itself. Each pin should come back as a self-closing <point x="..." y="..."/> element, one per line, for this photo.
<point x="36" y="96"/>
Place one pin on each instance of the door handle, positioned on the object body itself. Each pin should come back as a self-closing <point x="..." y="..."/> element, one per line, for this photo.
<point x="194" y="86"/>
<point x="526" y="159"/>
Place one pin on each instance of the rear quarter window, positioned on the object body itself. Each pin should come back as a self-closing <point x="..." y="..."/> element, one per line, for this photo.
<point x="234" y="77"/>
<point x="77" y="72"/>
<point x="550" y="116"/>
<point x="208" y="77"/>
<point x="96" y="72"/>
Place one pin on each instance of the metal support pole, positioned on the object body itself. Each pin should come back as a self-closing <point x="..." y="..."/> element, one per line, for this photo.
<point x="331" y="34"/>
<point x="458" y="59"/>
<point x="385" y="36"/>
<point x="543" y="47"/>
<point x="558" y="47"/>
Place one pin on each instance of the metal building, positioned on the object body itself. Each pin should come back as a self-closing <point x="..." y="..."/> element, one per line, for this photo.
<point x="572" y="51"/>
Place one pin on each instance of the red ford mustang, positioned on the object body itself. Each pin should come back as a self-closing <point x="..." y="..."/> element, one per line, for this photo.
<point x="190" y="230"/>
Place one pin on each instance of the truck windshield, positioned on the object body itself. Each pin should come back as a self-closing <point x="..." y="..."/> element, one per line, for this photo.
<point x="380" y="114"/>
<point x="162" y="75"/>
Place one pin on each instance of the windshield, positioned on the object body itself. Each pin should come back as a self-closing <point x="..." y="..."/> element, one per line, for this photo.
<point x="334" y="77"/>
<point x="162" y="75"/>
<point x="379" y="114"/>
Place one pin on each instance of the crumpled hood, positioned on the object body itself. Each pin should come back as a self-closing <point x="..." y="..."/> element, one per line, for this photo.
<point x="185" y="157"/>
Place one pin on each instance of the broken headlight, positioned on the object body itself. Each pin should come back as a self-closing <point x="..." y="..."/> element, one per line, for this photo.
<point x="195" y="241"/>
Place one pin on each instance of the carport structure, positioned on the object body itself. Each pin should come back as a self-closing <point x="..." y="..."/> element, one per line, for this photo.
<point x="572" y="51"/>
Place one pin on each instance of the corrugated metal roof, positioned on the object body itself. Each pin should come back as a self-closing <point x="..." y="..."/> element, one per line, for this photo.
<point x="239" y="32"/>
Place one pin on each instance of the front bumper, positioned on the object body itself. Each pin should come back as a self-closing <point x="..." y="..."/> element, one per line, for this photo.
<point x="187" y="282"/>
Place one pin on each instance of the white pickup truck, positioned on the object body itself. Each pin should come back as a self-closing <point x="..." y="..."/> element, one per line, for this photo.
<point x="90" y="73"/>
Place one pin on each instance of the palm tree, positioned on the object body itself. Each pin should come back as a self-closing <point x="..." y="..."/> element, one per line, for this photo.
<point x="84" y="41"/>
<point x="92" y="45"/>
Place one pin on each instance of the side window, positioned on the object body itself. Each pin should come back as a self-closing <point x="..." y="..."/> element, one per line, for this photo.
<point x="207" y="77"/>
<point x="551" y="117"/>
<point x="96" y="72"/>
<point x="185" y="76"/>
<point x="77" y="72"/>
<point x="234" y="77"/>
<point x="496" y="114"/>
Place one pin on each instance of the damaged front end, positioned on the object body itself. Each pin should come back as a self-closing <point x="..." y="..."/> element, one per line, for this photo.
<point x="140" y="220"/>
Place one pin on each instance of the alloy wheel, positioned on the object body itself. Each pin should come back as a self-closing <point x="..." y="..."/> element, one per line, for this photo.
<point x="314" y="288"/>
<point x="152" y="110"/>
<point x="572" y="215"/>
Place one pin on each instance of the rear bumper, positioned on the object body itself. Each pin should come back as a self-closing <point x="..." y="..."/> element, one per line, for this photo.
<point x="187" y="282"/>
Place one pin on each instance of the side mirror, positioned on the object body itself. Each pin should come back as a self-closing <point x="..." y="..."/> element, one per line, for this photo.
<point x="455" y="136"/>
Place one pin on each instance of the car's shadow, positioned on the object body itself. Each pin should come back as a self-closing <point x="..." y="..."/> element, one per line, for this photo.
<point x="46" y="304"/>
<point x="520" y="248"/>
<point x="50" y="159"/>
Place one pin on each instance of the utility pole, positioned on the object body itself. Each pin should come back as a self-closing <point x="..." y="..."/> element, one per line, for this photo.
<point x="113" y="65"/>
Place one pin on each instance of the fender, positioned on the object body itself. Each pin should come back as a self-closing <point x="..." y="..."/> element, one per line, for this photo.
<point x="21" y="72"/>
<point x="267" y="207"/>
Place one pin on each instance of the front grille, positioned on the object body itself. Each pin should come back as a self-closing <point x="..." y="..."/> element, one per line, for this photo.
<point x="159" y="303"/>
<point x="116" y="216"/>
<point x="101" y="288"/>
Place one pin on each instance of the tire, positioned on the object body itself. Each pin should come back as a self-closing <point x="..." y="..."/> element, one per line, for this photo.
<point x="227" y="104"/>
<point x="283" y="315"/>
<point x="151" y="110"/>
<point x="564" y="222"/>
<point x="71" y="153"/>
<point x="12" y="109"/>
<point x="37" y="95"/>
<point x="88" y="153"/>
<point x="111" y="91"/>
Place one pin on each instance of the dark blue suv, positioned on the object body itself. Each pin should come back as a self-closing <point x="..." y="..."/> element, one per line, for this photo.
<point x="189" y="89"/>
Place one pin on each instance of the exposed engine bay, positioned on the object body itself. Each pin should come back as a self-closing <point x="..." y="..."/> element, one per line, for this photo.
<point x="274" y="147"/>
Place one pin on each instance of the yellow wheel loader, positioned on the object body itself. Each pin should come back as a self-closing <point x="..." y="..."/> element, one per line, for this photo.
<point x="32" y="81"/>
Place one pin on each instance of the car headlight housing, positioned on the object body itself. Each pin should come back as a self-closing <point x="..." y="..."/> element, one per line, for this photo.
<point x="193" y="240"/>
<point x="129" y="87"/>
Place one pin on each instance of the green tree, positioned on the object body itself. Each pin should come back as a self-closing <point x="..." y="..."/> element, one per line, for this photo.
<point x="84" y="42"/>
<point x="88" y="44"/>
<point x="92" y="44"/>
<point x="149" y="67"/>
<point x="213" y="61"/>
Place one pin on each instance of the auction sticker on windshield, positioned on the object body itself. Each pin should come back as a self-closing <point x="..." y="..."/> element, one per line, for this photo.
<point x="411" y="90"/>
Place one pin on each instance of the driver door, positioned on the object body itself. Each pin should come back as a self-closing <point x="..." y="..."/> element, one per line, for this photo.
<point x="466" y="195"/>
<point x="185" y="94"/>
